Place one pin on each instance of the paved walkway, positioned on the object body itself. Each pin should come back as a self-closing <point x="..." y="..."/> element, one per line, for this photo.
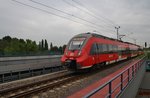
<point x="103" y="92"/>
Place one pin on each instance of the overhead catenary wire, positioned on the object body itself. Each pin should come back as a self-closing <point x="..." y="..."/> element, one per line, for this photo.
<point x="98" y="26"/>
<point x="84" y="11"/>
<point x="105" y="19"/>
<point x="48" y="12"/>
<point x="90" y="13"/>
<point x="94" y="15"/>
<point x="66" y="13"/>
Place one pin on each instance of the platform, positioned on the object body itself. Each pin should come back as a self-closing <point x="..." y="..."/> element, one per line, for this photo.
<point x="114" y="85"/>
<point x="144" y="89"/>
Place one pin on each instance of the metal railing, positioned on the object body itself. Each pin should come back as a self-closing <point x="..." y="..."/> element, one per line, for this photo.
<point x="25" y="73"/>
<point x="114" y="89"/>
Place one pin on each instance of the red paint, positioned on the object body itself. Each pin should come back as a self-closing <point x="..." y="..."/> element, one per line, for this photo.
<point x="86" y="59"/>
<point x="102" y="93"/>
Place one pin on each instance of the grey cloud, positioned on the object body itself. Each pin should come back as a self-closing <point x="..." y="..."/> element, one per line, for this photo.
<point x="24" y="22"/>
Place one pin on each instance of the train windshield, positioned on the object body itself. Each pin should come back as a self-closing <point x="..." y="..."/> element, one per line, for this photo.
<point x="76" y="43"/>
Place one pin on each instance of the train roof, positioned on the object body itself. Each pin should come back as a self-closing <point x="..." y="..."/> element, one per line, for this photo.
<point x="101" y="36"/>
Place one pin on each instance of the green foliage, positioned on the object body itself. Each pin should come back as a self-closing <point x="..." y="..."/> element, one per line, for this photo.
<point x="51" y="46"/>
<point x="19" y="47"/>
<point x="14" y="46"/>
<point x="42" y="44"/>
<point x="46" y="45"/>
<point x="145" y="44"/>
<point x="59" y="49"/>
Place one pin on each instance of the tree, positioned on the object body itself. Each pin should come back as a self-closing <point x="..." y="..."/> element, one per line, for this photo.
<point x="61" y="49"/>
<point x="22" y="45"/>
<point x="145" y="44"/>
<point x="14" y="46"/>
<point x="1" y="47"/>
<point x="46" y="45"/>
<point x="7" y="38"/>
<point x="31" y="46"/>
<point x="42" y="44"/>
<point x="64" y="47"/>
<point x="55" y="48"/>
<point x="51" y="46"/>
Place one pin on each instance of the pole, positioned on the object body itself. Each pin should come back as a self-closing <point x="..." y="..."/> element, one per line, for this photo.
<point x="134" y="41"/>
<point x="117" y="28"/>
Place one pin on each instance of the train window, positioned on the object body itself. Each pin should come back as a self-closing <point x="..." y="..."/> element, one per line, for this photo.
<point x="119" y="48"/>
<point x="110" y="47"/>
<point x="113" y="48"/>
<point x="93" y="49"/>
<point x="105" y="47"/>
<point x="123" y="48"/>
<point x="100" y="48"/>
<point x="116" y="48"/>
<point x="76" y="43"/>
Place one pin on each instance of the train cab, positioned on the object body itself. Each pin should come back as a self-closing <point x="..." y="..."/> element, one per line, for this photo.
<point x="73" y="54"/>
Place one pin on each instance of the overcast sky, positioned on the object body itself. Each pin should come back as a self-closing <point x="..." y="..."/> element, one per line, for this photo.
<point x="133" y="16"/>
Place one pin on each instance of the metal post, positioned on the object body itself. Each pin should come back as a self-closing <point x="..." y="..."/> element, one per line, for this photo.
<point x="134" y="41"/>
<point x="31" y="72"/>
<point x="51" y="69"/>
<point x="43" y="70"/>
<point x="128" y="75"/>
<point x="110" y="89"/>
<point x="132" y="71"/>
<point x="136" y="67"/>
<point x="121" y="82"/>
<point x="3" y="78"/>
<point x="19" y="75"/>
<point x="11" y="75"/>
<point x="117" y="28"/>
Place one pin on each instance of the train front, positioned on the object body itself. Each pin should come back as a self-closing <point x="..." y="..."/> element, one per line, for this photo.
<point x="73" y="55"/>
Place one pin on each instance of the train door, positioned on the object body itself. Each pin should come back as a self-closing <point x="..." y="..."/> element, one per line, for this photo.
<point x="97" y="54"/>
<point x="119" y="53"/>
<point x="94" y="53"/>
<point x="96" y="57"/>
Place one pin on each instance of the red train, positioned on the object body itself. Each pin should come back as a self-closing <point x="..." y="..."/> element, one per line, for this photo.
<point x="89" y="49"/>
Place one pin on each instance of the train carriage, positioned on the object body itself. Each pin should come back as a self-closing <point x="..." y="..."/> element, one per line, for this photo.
<point x="89" y="49"/>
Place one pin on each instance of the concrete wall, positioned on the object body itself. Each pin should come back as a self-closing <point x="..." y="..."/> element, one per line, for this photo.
<point x="2" y="59"/>
<point x="8" y="64"/>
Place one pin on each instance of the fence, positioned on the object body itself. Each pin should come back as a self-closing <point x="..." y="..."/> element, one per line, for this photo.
<point x="115" y="86"/>
<point x="16" y="75"/>
<point x="40" y="53"/>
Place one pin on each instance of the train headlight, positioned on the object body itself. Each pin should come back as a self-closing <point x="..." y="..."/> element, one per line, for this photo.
<point x="66" y="53"/>
<point x="79" y="53"/>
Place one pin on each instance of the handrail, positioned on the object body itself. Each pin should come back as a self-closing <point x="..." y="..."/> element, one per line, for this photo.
<point x="130" y="75"/>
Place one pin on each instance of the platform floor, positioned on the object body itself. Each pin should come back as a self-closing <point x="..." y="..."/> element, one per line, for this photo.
<point x="104" y="91"/>
<point x="144" y="90"/>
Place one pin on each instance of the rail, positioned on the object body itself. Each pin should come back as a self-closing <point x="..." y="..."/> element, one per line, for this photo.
<point x="114" y="88"/>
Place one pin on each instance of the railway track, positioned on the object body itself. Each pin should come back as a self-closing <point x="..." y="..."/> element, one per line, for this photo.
<point x="22" y="90"/>
<point x="17" y="75"/>
<point x="41" y="86"/>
